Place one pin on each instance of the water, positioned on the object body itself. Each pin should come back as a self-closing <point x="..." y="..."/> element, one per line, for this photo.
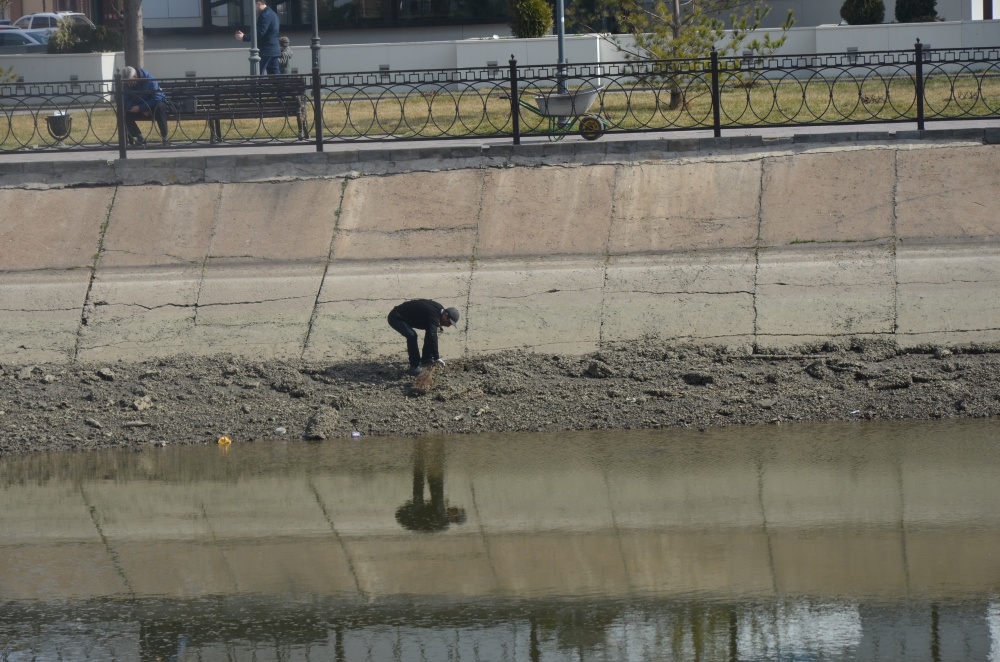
<point x="807" y="542"/>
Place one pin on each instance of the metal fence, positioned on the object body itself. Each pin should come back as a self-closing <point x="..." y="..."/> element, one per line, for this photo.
<point x="511" y="101"/>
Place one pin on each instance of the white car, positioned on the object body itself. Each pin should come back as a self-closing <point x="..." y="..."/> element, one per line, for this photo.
<point x="49" y="20"/>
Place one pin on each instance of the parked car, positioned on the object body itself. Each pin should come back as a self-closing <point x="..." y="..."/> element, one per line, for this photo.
<point x="49" y="20"/>
<point x="15" y="41"/>
<point x="4" y="22"/>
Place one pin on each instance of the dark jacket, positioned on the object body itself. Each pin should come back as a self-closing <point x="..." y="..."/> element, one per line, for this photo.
<point x="423" y="314"/>
<point x="267" y="34"/>
<point x="143" y="90"/>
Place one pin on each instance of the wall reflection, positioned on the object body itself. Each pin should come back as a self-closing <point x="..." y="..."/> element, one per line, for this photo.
<point x="829" y="542"/>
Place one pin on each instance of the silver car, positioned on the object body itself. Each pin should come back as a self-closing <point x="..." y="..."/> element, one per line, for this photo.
<point x="13" y="41"/>
<point x="49" y="20"/>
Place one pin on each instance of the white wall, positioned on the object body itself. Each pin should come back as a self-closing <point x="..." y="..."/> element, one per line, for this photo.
<point x="478" y="52"/>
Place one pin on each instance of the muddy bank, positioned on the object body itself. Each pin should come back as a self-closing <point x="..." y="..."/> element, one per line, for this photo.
<point x="638" y="385"/>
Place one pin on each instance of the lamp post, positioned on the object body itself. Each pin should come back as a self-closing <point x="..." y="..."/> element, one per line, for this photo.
<point x="254" y="51"/>
<point x="315" y="37"/>
<point x="561" y="38"/>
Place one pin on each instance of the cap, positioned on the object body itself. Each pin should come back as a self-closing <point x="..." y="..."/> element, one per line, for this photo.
<point x="452" y="314"/>
<point x="284" y="41"/>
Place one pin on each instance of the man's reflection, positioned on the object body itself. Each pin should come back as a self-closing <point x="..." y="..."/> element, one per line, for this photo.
<point x="435" y="515"/>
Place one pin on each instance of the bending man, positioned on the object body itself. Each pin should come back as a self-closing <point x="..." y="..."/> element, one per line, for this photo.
<point x="428" y="316"/>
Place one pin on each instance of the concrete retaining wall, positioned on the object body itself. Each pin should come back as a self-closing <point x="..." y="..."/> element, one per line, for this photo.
<point x="552" y="248"/>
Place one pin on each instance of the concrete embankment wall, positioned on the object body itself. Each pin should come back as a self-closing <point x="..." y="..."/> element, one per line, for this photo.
<point x="556" y="248"/>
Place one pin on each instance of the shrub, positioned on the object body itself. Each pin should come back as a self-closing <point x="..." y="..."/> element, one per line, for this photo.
<point x="530" y="18"/>
<point x="916" y="11"/>
<point x="862" y="12"/>
<point x="75" y="37"/>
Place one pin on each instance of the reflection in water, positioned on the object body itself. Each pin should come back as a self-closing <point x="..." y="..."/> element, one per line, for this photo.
<point x="434" y="515"/>
<point x="833" y="542"/>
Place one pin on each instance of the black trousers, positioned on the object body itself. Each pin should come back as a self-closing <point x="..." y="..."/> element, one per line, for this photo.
<point x="412" y="350"/>
<point x="159" y="116"/>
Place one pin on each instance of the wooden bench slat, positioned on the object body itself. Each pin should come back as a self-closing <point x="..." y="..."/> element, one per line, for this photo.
<point x="260" y="97"/>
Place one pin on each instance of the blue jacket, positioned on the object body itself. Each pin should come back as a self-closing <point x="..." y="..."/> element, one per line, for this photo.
<point x="143" y="90"/>
<point x="267" y="34"/>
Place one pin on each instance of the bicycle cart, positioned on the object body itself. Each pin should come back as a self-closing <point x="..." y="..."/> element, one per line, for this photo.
<point x="568" y="112"/>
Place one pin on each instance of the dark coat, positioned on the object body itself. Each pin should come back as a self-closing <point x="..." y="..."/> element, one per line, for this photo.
<point x="425" y="315"/>
<point x="143" y="90"/>
<point x="267" y="34"/>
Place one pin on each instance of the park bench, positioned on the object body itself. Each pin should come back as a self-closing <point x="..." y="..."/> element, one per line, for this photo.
<point x="218" y="100"/>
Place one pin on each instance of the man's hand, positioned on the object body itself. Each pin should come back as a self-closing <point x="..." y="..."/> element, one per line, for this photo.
<point x="239" y="36"/>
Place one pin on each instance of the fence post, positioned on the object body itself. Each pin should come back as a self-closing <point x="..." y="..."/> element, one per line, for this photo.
<point x="120" y="114"/>
<point x="515" y="114"/>
<point x="716" y="99"/>
<point x="919" y="48"/>
<point x="317" y="109"/>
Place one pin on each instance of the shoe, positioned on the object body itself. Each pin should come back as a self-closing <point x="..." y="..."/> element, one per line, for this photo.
<point x="414" y="370"/>
<point x="137" y="140"/>
<point x="165" y="143"/>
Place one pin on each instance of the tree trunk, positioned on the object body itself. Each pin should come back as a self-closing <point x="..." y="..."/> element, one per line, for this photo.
<point x="134" y="43"/>
<point x="676" y="96"/>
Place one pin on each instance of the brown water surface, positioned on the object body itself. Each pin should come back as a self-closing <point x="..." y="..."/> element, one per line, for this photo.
<point x="857" y="541"/>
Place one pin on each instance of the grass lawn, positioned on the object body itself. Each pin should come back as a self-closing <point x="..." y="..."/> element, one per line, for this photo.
<point x="631" y="105"/>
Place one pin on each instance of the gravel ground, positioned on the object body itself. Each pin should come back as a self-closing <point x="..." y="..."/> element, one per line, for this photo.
<point x="646" y="384"/>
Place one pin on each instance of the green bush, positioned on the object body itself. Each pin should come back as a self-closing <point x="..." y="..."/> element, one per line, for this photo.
<point x="530" y="18"/>
<point x="916" y="11"/>
<point x="862" y="12"/>
<point x="75" y="37"/>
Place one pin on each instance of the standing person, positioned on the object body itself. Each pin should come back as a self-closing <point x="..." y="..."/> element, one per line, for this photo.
<point x="267" y="38"/>
<point x="285" y="59"/>
<point x="428" y="316"/>
<point x="143" y="99"/>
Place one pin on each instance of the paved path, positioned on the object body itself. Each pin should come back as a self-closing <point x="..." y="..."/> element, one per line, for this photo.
<point x="766" y="133"/>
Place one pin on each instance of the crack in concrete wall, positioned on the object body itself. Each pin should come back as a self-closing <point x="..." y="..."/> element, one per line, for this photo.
<point x="567" y="256"/>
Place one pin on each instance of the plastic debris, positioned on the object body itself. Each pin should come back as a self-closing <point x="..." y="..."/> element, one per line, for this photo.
<point x="225" y="441"/>
<point x="355" y="435"/>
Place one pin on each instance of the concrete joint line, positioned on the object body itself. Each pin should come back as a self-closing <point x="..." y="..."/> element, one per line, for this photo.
<point x="115" y="561"/>
<point x="473" y="261"/>
<point x="326" y="269"/>
<point x="830" y="334"/>
<point x="211" y="239"/>
<point x="756" y="253"/>
<point x="895" y="239"/>
<point x="683" y="292"/>
<point x="340" y="541"/>
<point x="607" y="252"/>
<point x="84" y="316"/>
<point x="37" y="310"/>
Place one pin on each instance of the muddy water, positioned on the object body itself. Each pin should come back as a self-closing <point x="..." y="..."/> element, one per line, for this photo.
<point x="858" y="541"/>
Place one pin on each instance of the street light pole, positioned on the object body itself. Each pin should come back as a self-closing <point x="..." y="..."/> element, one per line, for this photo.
<point x="561" y="34"/>
<point x="254" y="51"/>
<point x="315" y="38"/>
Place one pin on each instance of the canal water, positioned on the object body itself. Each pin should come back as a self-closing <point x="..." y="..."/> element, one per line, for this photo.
<point x="848" y="541"/>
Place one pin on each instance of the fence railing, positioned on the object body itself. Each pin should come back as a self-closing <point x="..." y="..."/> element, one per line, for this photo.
<point x="510" y="101"/>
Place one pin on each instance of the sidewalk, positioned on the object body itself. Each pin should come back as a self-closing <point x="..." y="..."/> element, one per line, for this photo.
<point x="837" y="133"/>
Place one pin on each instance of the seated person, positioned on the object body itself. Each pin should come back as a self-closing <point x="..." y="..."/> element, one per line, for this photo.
<point x="143" y="100"/>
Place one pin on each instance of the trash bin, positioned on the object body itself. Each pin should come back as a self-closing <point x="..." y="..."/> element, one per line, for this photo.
<point x="59" y="124"/>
